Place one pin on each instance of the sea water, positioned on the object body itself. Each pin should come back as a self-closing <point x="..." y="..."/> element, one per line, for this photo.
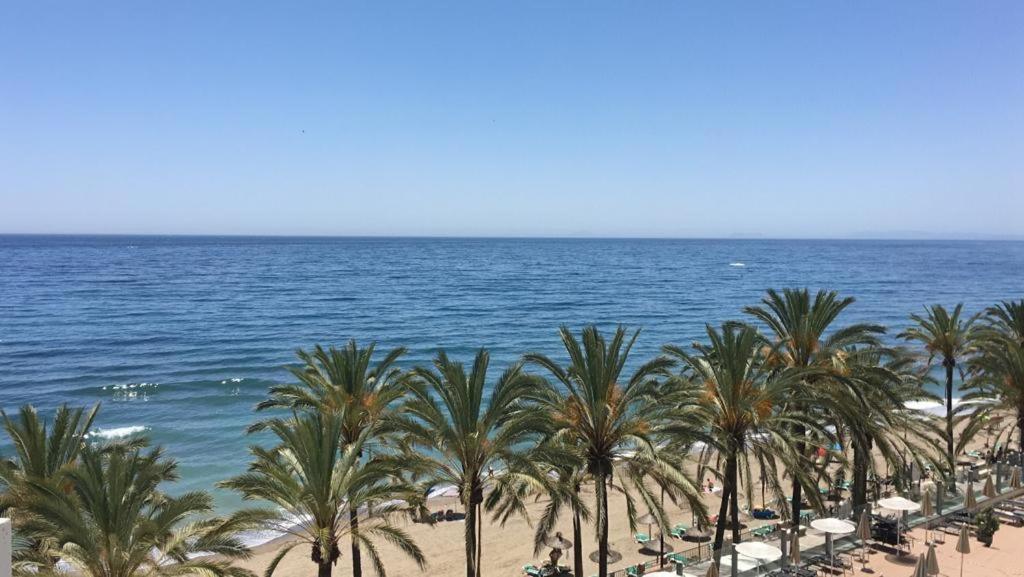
<point x="180" y="337"/>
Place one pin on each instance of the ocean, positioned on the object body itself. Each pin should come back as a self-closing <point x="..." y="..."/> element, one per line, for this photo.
<point x="180" y="337"/>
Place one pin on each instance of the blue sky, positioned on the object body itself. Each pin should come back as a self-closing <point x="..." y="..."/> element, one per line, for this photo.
<point x="550" y="118"/>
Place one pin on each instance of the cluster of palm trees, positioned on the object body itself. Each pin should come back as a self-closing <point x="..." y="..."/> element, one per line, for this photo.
<point x="789" y="396"/>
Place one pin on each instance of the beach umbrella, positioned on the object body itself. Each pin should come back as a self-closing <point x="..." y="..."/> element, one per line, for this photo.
<point x="963" y="546"/>
<point x="927" y="509"/>
<point x="831" y="526"/>
<point x="1015" y="478"/>
<point x="648" y="519"/>
<point x="989" y="490"/>
<point x="932" y="560"/>
<point x="712" y="570"/>
<point x="900" y="505"/>
<point x="557" y="541"/>
<point x="970" y="501"/>
<point x="794" y="550"/>
<point x="864" y="534"/>
<point x="920" y="568"/>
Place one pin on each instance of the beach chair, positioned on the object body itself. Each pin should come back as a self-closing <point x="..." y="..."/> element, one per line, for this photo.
<point x="642" y="538"/>
<point x="531" y="570"/>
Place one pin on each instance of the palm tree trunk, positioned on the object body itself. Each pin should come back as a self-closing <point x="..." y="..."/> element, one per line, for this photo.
<point x="723" y="511"/>
<point x="735" y="502"/>
<point x="479" y="537"/>
<point x="860" y="475"/>
<point x="949" y="364"/>
<point x="357" y="563"/>
<point x="577" y="540"/>
<point x="797" y="494"/>
<point x="471" y="537"/>
<point x="1020" y="426"/>
<point x="602" y="525"/>
<point x="324" y="569"/>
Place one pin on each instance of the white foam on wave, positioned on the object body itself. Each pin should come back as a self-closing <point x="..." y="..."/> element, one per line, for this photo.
<point x="131" y="386"/>
<point x="233" y="380"/>
<point x="117" y="432"/>
<point x="737" y="264"/>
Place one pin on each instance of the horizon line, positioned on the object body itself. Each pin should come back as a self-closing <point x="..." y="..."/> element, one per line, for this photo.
<point x="737" y="237"/>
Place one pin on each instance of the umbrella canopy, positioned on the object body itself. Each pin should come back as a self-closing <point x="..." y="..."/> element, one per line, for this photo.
<point x="794" y="549"/>
<point x="932" y="560"/>
<point x="1015" y="478"/>
<point x="833" y="526"/>
<point x="864" y="526"/>
<point x="963" y="544"/>
<point x="921" y="568"/>
<point x="697" y="534"/>
<point x="648" y="519"/>
<point x="899" y="504"/>
<point x="712" y="570"/>
<point x="989" y="490"/>
<point x="927" y="504"/>
<point x="556" y="541"/>
<point x="758" y="550"/>
<point x="971" y="501"/>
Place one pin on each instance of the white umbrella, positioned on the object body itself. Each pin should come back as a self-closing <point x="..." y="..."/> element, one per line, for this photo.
<point x="794" y="548"/>
<point x="864" y="534"/>
<point x="1015" y="478"/>
<point x="900" y="505"/>
<point x="832" y="526"/>
<point x="762" y="552"/>
<point x="712" y="570"/>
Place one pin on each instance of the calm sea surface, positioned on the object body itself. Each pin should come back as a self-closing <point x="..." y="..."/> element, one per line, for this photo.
<point x="181" y="336"/>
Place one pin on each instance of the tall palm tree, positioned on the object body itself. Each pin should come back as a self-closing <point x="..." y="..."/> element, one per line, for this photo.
<point x="315" y="478"/>
<point x="950" y="337"/>
<point x="806" y="338"/>
<point x="878" y="419"/>
<point x="609" y="419"/>
<point x="732" y="384"/>
<point x="471" y="428"/>
<point x="108" y="517"/>
<point x="346" y="382"/>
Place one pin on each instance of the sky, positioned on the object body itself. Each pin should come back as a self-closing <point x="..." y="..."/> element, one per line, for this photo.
<point x="526" y="118"/>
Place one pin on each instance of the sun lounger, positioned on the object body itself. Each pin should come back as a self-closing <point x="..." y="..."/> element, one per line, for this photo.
<point x="642" y="538"/>
<point x="531" y="570"/>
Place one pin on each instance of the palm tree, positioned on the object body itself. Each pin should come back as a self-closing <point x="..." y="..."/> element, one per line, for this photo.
<point x="1007" y="318"/>
<point x="564" y="493"/>
<point x="42" y="451"/>
<point x="608" y="420"/>
<point x="949" y="336"/>
<point x="468" y="434"/>
<point x="733" y="386"/>
<point x="805" y="338"/>
<point x="312" y="476"/>
<point x="345" y="382"/>
<point x="878" y="420"/>
<point x="107" y="517"/>
<point x="996" y="387"/>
